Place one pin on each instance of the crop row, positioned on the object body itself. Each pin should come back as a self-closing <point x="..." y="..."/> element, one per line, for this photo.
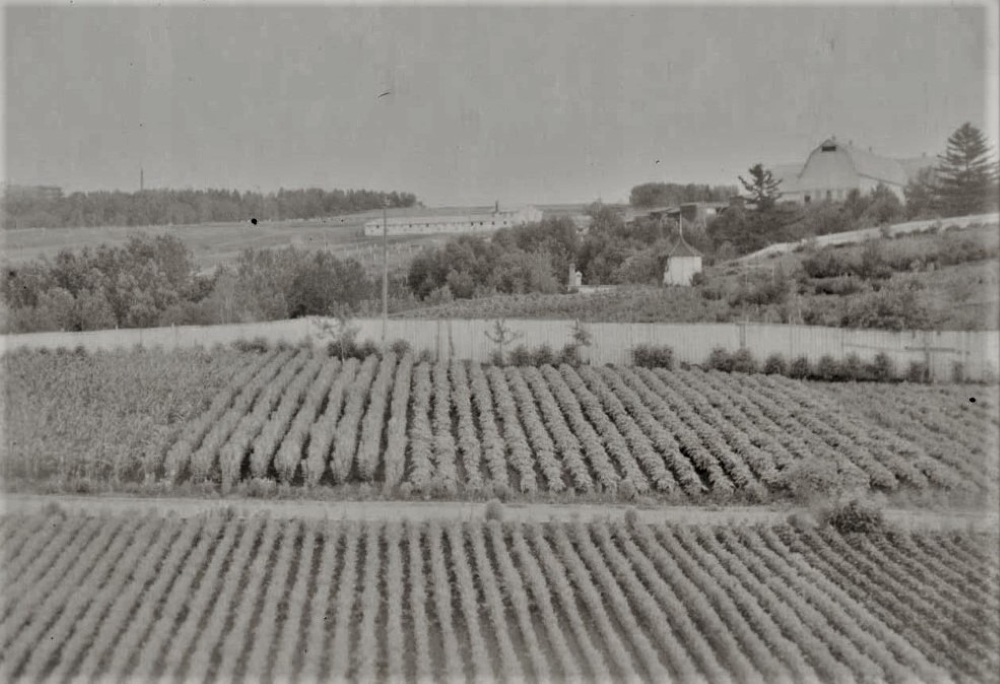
<point x="295" y="417"/>
<point x="214" y="598"/>
<point x="448" y="427"/>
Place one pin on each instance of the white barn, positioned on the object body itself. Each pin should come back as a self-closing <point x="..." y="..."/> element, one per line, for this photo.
<point x="835" y="168"/>
<point x="683" y="262"/>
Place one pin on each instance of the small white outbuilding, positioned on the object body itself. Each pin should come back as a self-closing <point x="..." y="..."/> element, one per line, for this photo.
<point x="683" y="262"/>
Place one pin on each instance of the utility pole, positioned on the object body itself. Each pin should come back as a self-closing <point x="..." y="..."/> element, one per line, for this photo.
<point x="385" y="272"/>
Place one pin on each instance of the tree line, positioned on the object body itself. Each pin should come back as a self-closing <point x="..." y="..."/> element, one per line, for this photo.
<point x="26" y="208"/>
<point x="671" y="194"/>
<point x="152" y="281"/>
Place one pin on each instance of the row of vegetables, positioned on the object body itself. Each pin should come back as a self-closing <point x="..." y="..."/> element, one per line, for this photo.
<point x="148" y="597"/>
<point x="448" y="427"/>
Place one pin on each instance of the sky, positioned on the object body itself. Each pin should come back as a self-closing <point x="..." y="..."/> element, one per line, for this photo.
<point x="540" y="104"/>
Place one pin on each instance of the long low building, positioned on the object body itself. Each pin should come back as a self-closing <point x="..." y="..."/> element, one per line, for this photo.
<point x="457" y="223"/>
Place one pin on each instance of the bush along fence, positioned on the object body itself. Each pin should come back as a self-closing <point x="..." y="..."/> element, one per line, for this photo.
<point x="945" y="355"/>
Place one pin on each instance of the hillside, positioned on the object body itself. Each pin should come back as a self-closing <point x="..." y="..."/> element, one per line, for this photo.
<point x="955" y="296"/>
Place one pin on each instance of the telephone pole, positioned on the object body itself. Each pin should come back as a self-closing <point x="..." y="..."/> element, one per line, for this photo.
<point x="385" y="272"/>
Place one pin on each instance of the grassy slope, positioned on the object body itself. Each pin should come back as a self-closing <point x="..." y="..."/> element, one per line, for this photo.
<point x="960" y="297"/>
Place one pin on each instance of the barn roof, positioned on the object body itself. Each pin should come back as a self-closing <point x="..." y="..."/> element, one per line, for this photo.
<point x="864" y="162"/>
<point x="682" y="249"/>
<point x="874" y="166"/>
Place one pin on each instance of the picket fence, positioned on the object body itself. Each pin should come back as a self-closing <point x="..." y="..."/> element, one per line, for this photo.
<point x="978" y="352"/>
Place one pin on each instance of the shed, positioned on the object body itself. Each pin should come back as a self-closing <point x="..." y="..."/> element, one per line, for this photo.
<point x="683" y="262"/>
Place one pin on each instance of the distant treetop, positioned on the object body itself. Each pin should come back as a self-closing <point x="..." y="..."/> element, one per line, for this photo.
<point x="50" y="208"/>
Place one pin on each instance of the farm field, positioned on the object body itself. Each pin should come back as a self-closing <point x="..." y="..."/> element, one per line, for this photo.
<point x="298" y="420"/>
<point x="144" y="597"/>
<point x="216" y="243"/>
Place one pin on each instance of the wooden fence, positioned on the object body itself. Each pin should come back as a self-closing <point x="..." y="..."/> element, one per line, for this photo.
<point x="978" y="352"/>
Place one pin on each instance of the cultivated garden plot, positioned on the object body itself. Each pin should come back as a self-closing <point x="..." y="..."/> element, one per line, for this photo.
<point x="212" y="597"/>
<point x="399" y="426"/>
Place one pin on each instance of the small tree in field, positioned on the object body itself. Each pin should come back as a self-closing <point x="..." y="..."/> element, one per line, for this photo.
<point x="340" y="331"/>
<point x="501" y="335"/>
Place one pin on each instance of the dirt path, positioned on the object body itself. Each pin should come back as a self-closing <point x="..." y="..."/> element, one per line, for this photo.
<point x="444" y="510"/>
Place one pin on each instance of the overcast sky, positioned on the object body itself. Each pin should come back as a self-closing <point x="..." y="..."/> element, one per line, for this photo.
<point x="542" y="105"/>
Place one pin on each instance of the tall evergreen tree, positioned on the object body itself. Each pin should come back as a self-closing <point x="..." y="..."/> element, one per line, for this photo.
<point x="763" y="188"/>
<point x="967" y="174"/>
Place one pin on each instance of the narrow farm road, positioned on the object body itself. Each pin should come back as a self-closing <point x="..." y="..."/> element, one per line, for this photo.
<point x="451" y="510"/>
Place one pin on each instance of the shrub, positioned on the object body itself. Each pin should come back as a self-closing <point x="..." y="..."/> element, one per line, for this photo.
<point x="852" y="368"/>
<point x="882" y="368"/>
<point x="840" y="286"/>
<point x="712" y="293"/>
<point x="494" y="510"/>
<point x="800" y="368"/>
<point x="720" y="359"/>
<point x="544" y="356"/>
<point x="854" y="516"/>
<point x="743" y="361"/>
<point x="698" y="279"/>
<point x="520" y="356"/>
<point x="400" y="348"/>
<point x="570" y="355"/>
<point x="894" y="306"/>
<point x="827" y="263"/>
<point x="827" y="369"/>
<point x="653" y="356"/>
<point x="496" y="358"/>
<point x="365" y="349"/>
<point x="762" y="292"/>
<point x="425" y="356"/>
<point x="632" y="517"/>
<point x="776" y="365"/>
<point x="917" y="371"/>
<point x="257" y="345"/>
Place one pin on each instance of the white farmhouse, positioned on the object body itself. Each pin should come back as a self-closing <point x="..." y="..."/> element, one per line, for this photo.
<point x="683" y="262"/>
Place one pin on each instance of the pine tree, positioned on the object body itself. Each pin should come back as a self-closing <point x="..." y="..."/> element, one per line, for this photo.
<point x="762" y="187"/>
<point x="967" y="174"/>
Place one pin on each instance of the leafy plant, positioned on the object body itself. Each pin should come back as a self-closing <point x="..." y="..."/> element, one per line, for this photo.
<point x="653" y="356"/>
<point x="800" y="368"/>
<point x="720" y="359"/>
<point x="743" y="362"/>
<point x="776" y="365"/>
